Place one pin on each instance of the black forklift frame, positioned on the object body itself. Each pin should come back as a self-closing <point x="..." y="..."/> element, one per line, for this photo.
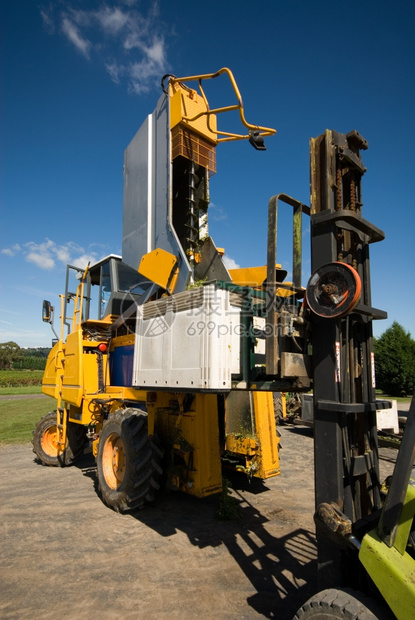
<point x="346" y="461"/>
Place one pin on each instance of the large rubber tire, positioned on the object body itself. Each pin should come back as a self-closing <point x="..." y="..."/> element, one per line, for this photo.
<point x="278" y="409"/>
<point x="128" y="462"/>
<point x="341" y="604"/>
<point x="45" y="442"/>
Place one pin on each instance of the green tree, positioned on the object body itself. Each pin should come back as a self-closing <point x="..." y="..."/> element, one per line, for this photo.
<point x="41" y="352"/>
<point x="395" y="361"/>
<point x="33" y="362"/>
<point x="10" y="352"/>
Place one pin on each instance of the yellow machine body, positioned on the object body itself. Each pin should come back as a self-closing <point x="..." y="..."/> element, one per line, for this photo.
<point x="188" y="424"/>
<point x="90" y="372"/>
<point x="251" y="436"/>
<point x="392" y="568"/>
<point x="255" y="277"/>
<point x="189" y="109"/>
<point x="53" y="370"/>
<point x="159" y="267"/>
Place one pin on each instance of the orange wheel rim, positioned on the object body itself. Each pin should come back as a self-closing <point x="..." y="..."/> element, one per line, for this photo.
<point x="113" y="461"/>
<point x="49" y="441"/>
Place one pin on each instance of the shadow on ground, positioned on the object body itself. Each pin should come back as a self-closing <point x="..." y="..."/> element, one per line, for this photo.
<point x="280" y="565"/>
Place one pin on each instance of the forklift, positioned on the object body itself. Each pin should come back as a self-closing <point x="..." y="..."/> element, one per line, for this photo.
<point x="366" y="552"/>
<point x="377" y="554"/>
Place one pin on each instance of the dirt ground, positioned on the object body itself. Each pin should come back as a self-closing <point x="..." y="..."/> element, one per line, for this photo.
<point x="63" y="553"/>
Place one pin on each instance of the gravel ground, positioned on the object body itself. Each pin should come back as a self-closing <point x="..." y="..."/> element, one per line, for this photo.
<point x="65" y="554"/>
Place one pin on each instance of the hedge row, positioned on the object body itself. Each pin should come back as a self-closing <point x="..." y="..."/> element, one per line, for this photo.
<point x="20" y="378"/>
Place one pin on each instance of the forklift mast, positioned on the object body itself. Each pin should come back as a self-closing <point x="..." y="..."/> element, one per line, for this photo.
<point x="338" y="293"/>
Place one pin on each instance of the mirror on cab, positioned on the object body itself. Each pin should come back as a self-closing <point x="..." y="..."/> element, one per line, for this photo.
<point x="47" y="311"/>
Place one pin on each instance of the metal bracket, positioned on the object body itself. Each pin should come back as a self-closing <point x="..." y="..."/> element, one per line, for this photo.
<point x="271" y="341"/>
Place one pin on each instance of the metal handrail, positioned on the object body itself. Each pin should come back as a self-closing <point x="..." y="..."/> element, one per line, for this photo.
<point x="262" y="131"/>
<point x="271" y="347"/>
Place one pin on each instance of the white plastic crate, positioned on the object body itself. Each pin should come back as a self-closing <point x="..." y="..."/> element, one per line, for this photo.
<point x="189" y="340"/>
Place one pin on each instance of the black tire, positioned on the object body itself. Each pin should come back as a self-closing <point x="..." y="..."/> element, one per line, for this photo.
<point x="45" y="446"/>
<point x="128" y="462"/>
<point x="341" y="604"/>
<point x="278" y="412"/>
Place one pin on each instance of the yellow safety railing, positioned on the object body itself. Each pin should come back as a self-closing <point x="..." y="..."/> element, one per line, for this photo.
<point x="258" y="129"/>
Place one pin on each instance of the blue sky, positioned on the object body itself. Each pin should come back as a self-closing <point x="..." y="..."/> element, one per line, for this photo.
<point x="79" y="77"/>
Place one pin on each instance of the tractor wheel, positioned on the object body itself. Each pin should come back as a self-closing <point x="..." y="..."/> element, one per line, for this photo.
<point x="341" y="604"/>
<point x="128" y="462"/>
<point x="278" y="411"/>
<point x="45" y="444"/>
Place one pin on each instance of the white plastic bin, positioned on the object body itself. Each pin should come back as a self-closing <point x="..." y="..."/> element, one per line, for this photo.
<point x="189" y="340"/>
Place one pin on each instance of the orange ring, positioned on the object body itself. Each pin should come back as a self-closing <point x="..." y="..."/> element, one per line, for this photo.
<point x="325" y="303"/>
<point x="358" y="283"/>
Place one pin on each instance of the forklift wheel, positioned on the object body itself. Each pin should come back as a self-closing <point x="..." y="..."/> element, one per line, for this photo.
<point x="128" y="462"/>
<point x="342" y="604"/>
<point x="45" y="442"/>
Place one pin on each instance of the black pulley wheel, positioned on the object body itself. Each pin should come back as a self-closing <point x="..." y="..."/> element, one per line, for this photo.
<point x="333" y="290"/>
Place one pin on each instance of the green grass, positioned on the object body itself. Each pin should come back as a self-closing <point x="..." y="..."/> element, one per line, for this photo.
<point x="399" y="399"/>
<point x="25" y="389"/>
<point x="19" y="417"/>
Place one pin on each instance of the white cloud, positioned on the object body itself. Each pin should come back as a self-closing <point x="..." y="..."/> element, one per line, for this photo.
<point x="63" y="254"/>
<point x="230" y="263"/>
<point x="116" y="71"/>
<point x="83" y="260"/>
<point x="130" y="43"/>
<point x="11" y="251"/>
<point x="48" y="254"/>
<point x="40" y="254"/>
<point x="112" y="20"/>
<point x="156" y="52"/>
<point x="72" y="33"/>
<point x="41" y="259"/>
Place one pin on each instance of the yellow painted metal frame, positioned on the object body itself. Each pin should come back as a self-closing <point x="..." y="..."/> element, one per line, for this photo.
<point x="122" y="341"/>
<point x="52" y="382"/>
<point x="187" y="108"/>
<point x="204" y="111"/>
<point x="193" y="436"/>
<point x="267" y="434"/>
<point x="52" y="377"/>
<point x="160" y="267"/>
<point x="392" y="568"/>
<point x="259" y="451"/>
<point x="54" y="370"/>
<point x="255" y="277"/>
